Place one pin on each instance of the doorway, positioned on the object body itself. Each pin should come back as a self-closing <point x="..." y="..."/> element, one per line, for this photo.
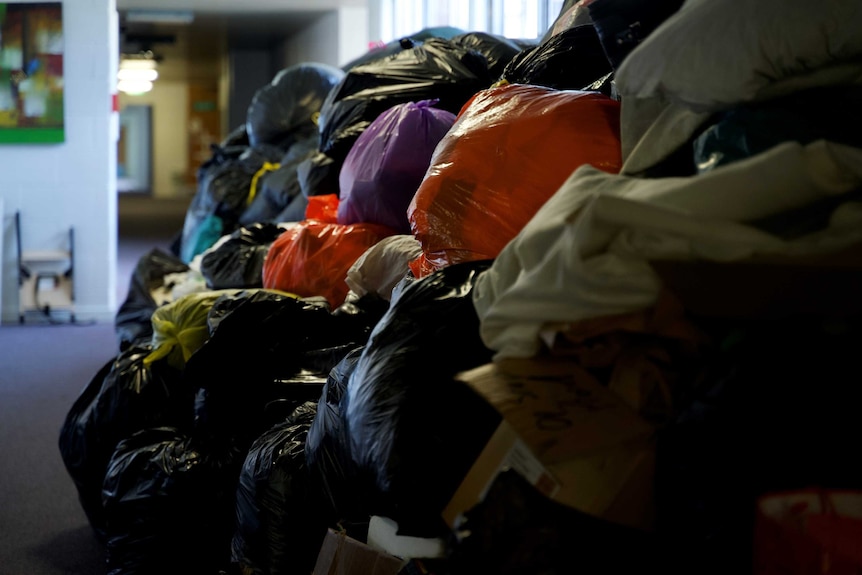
<point x="134" y="150"/>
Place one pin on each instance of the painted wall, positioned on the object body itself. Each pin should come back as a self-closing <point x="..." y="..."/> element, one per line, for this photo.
<point x="335" y="38"/>
<point x="72" y="184"/>
<point x="318" y="43"/>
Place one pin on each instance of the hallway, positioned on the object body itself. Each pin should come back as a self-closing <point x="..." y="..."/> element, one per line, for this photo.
<point x="144" y="223"/>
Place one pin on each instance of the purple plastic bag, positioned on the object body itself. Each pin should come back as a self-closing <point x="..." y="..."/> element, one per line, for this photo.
<point x="387" y="162"/>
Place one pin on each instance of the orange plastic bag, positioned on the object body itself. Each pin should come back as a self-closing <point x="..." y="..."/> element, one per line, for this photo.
<point x="809" y="532"/>
<point x="510" y="150"/>
<point x="313" y="257"/>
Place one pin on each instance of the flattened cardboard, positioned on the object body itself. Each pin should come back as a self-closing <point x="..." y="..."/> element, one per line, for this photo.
<point x="343" y="555"/>
<point x="570" y="436"/>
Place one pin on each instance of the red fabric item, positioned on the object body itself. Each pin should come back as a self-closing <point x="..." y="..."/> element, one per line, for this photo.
<point x="510" y="150"/>
<point x="313" y="257"/>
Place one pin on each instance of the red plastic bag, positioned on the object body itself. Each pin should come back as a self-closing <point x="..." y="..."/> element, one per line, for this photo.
<point x="809" y="532"/>
<point x="323" y="208"/>
<point x="313" y="257"/>
<point x="509" y="151"/>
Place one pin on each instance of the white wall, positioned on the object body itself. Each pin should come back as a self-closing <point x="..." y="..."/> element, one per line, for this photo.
<point x="72" y="184"/>
<point x="316" y="43"/>
<point x="352" y="33"/>
<point x="335" y="38"/>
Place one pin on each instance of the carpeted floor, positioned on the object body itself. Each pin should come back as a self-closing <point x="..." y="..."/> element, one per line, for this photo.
<point x="43" y="369"/>
<point x="43" y="530"/>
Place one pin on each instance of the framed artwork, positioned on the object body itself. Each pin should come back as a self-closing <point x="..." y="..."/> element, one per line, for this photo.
<point x="31" y="72"/>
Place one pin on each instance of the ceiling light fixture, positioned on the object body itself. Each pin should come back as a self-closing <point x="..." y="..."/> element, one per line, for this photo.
<point x="160" y="16"/>
<point x="136" y="75"/>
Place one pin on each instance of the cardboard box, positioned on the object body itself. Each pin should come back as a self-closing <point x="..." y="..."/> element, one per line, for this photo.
<point x="571" y="437"/>
<point x="343" y="555"/>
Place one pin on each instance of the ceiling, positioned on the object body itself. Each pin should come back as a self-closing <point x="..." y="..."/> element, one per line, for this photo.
<point x="218" y="24"/>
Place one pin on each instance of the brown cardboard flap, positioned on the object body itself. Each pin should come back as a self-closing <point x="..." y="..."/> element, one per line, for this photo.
<point x="571" y="437"/>
<point x="343" y="555"/>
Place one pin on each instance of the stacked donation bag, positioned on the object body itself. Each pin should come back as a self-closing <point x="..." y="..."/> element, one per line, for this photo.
<point x="474" y="305"/>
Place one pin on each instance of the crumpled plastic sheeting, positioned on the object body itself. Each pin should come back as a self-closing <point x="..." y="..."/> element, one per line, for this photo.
<point x="180" y="327"/>
<point x="327" y="447"/>
<point x="282" y="112"/>
<point x="280" y="197"/>
<point x="124" y="397"/>
<point x="169" y="507"/>
<point x="279" y="526"/>
<point x="509" y="151"/>
<point x="413" y="430"/>
<point x="383" y="265"/>
<point x="238" y="262"/>
<point x="387" y="162"/>
<point x="312" y="258"/>
<point x="132" y="321"/>
<point x="586" y="253"/>
<point x="436" y="69"/>
<point x="570" y="60"/>
<point x="498" y="50"/>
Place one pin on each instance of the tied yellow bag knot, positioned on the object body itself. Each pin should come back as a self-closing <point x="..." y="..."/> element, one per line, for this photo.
<point x="266" y="167"/>
<point x="180" y="328"/>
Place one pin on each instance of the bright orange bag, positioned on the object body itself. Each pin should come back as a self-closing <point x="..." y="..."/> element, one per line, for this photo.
<point x="313" y="257"/>
<point x="510" y="150"/>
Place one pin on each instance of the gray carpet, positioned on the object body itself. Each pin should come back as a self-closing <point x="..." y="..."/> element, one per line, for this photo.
<point x="43" y="369"/>
<point x="43" y="530"/>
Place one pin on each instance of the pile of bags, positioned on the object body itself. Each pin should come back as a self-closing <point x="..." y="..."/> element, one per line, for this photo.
<point x="540" y="304"/>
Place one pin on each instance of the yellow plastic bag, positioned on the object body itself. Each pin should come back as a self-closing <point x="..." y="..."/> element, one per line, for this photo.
<point x="180" y="327"/>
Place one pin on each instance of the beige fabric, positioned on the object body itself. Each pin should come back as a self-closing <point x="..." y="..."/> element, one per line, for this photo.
<point x="711" y="55"/>
<point x="586" y="253"/>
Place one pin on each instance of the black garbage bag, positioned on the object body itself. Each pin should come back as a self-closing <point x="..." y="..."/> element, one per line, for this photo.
<point x="133" y="320"/>
<point x="569" y="60"/>
<point x="403" y="43"/>
<point x="327" y="447"/>
<point x="123" y="397"/>
<point x="805" y="116"/>
<point x="498" y="50"/>
<point x="776" y="411"/>
<point x="623" y="24"/>
<point x="566" y="19"/>
<point x="279" y="198"/>
<point x="389" y="49"/>
<point x="238" y="261"/>
<point x="169" y="510"/>
<point x="517" y="530"/>
<point x="413" y="430"/>
<point x="279" y="524"/>
<point x="237" y="137"/>
<point x="438" y="69"/>
<point x="221" y="198"/>
<point x="232" y="149"/>
<point x="282" y="112"/>
<point x="254" y="357"/>
<point x="294" y="211"/>
<point x="318" y="175"/>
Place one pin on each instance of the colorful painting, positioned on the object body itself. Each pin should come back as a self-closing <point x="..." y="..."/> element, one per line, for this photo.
<point x="31" y="72"/>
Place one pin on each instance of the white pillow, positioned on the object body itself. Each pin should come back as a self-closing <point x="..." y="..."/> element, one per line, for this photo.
<point x="713" y="54"/>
